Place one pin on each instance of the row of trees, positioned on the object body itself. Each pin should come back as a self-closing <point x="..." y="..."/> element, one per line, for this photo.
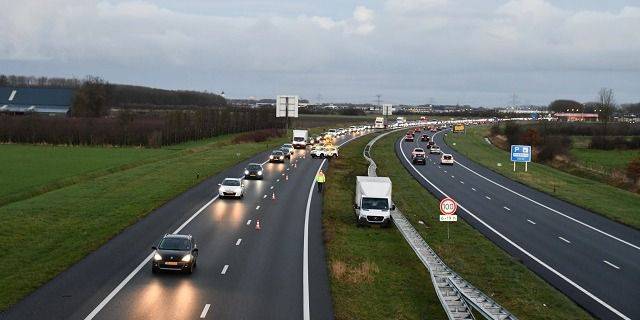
<point x="39" y="82"/>
<point x="604" y="107"/>
<point x="153" y="130"/>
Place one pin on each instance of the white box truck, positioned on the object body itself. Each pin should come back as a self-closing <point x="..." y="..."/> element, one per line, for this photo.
<point x="373" y="200"/>
<point x="379" y="124"/>
<point x="300" y="138"/>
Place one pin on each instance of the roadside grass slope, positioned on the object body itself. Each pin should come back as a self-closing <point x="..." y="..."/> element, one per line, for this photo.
<point x="468" y="252"/>
<point x="611" y="202"/>
<point x="374" y="273"/>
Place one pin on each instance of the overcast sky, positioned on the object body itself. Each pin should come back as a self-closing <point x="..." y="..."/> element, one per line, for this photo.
<point x="476" y="52"/>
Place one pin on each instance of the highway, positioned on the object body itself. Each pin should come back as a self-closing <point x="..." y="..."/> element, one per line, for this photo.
<point x="593" y="260"/>
<point x="276" y="272"/>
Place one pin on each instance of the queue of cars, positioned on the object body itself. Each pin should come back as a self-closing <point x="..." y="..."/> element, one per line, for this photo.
<point x="419" y="155"/>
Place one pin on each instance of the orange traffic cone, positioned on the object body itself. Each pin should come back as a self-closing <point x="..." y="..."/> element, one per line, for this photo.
<point x="286" y="177"/>
<point x="273" y="196"/>
<point x="295" y="165"/>
<point x="258" y="224"/>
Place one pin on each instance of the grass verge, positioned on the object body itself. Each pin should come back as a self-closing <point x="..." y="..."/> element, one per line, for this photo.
<point x="468" y="252"/>
<point x="49" y="232"/>
<point x="374" y="273"/>
<point x="609" y="201"/>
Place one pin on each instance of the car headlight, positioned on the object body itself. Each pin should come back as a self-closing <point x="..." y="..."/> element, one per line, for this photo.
<point x="157" y="257"/>
<point x="260" y="172"/>
<point x="270" y="157"/>
<point x="281" y="157"/>
<point x="246" y="172"/>
<point x="186" y="258"/>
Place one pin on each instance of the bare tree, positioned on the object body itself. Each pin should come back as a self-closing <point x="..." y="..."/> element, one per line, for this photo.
<point x="607" y="103"/>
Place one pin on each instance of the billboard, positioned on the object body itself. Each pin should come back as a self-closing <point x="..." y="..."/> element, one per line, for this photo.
<point x="458" y="127"/>
<point x="387" y="109"/>
<point x="520" y="153"/>
<point x="287" y="104"/>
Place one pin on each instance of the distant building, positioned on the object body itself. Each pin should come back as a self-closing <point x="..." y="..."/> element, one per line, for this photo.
<point x="48" y="101"/>
<point x="572" y="117"/>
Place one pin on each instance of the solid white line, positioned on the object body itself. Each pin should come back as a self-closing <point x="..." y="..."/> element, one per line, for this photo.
<point x="507" y="208"/>
<point x="531" y="221"/>
<point x="553" y="210"/>
<point x="515" y="245"/>
<point x="258" y="208"/>
<point x="563" y="239"/>
<point x="204" y="311"/>
<point x="488" y="198"/>
<point x="130" y="276"/>
<point x="238" y="242"/>
<point x="224" y="269"/>
<point x="445" y="171"/>
<point x="611" y="264"/>
<point x="249" y="222"/>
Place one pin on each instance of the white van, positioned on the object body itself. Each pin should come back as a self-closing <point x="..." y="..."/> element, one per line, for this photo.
<point x="373" y="203"/>
<point x="300" y="138"/>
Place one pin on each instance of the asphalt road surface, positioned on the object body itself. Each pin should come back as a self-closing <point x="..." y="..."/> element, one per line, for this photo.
<point x="277" y="272"/>
<point x="593" y="260"/>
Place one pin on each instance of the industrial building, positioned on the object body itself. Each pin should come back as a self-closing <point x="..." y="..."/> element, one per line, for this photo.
<point x="45" y="101"/>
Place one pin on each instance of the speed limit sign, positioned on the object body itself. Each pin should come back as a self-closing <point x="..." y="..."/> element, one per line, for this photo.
<point x="448" y="209"/>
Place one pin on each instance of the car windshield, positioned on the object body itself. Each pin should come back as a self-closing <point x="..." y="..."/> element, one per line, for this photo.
<point x="375" y="203"/>
<point x="174" y="244"/>
<point x="447" y="157"/>
<point x="254" y="167"/>
<point x="288" y="145"/>
<point x="231" y="182"/>
<point x="277" y="153"/>
<point x="298" y="139"/>
<point x="418" y="150"/>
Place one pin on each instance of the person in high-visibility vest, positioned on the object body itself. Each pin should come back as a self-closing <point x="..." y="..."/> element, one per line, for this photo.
<point x="320" y="179"/>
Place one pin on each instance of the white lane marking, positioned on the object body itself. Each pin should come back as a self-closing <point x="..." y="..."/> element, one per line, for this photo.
<point x="264" y="196"/>
<point x="305" y="255"/>
<point x="238" y="242"/>
<point x="130" y="276"/>
<point x="278" y="180"/>
<point x="204" y="311"/>
<point x="258" y="208"/>
<point x="507" y="208"/>
<point x="224" y="269"/>
<point x="553" y="210"/>
<point x="563" y="239"/>
<point x="452" y="177"/>
<point x="521" y="249"/>
<point x="249" y="222"/>
<point x="445" y="171"/>
<point x="474" y="189"/>
<point x="488" y="198"/>
<point x="462" y="182"/>
<point x="611" y="264"/>
<point x="271" y="187"/>
<point x="531" y="221"/>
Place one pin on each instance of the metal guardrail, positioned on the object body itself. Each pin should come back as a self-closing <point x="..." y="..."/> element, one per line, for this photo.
<point x="455" y="294"/>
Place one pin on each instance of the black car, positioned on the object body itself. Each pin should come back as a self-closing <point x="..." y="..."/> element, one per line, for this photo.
<point x="276" y="156"/>
<point x="430" y="144"/>
<point x="175" y="252"/>
<point x="253" y="171"/>
<point x="419" y="159"/>
<point x="425" y="138"/>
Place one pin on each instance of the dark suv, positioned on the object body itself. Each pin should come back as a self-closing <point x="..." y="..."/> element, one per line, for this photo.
<point x="175" y="252"/>
<point x="253" y="171"/>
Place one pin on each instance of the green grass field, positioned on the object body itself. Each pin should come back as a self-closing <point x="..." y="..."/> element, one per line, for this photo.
<point x="28" y="167"/>
<point x="374" y="273"/>
<point x="49" y="232"/>
<point x="468" y="252"/>
<point x="604" y="159"/>
<point x="609" y="201"/>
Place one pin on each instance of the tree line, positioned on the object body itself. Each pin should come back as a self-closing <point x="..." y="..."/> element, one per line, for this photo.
<point x="130" y="129"/>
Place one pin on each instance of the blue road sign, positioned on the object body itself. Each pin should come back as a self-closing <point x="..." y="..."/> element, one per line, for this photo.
<point x="520" y="153"/>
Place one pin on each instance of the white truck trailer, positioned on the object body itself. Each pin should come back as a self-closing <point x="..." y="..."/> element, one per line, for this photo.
<point x="373" y="200"/>
<point x="300" y="138"/>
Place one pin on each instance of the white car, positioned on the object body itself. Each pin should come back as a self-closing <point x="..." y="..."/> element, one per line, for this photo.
<point x="435" y="150"/>
<point x="231" y="187"/>
<point x="332" y="132"/>
<point x="446" y="159"/>
<point x="289" y="147"/>
<point x="324" y="151"/>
